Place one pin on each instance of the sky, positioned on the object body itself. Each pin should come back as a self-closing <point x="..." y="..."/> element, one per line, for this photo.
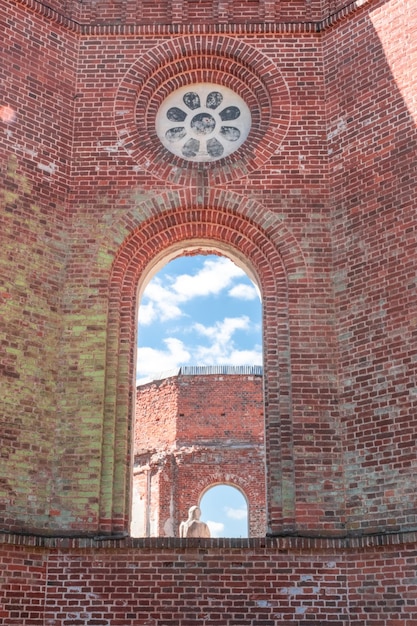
<point x="202" y="310"/>
<point x="198" y="310"/>
<point x="225" y="511"/>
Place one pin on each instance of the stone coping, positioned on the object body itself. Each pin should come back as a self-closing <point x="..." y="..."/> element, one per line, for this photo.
<point x="267" y="544"/>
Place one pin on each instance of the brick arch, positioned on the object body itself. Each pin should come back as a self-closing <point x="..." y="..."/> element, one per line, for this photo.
<point x="204" y="481"/>
<point x="232" y="480"/>
<point x="274" y="259"/>
<point x="206" y="477"/>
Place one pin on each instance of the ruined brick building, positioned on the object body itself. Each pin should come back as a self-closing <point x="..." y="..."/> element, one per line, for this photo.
<point x="200" y="427"/>
<point x="282" y="135"/>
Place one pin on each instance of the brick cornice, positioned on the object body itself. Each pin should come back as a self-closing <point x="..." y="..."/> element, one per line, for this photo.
<point x="152" y="30"/>
<point x="43" y="9"/>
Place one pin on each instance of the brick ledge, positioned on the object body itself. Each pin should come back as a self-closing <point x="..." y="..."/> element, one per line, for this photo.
<point x="269" y="544"/>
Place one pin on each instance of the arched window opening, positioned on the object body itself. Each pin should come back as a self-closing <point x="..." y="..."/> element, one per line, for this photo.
<point x="199" y="404"/>
<point x="224" y="508"/>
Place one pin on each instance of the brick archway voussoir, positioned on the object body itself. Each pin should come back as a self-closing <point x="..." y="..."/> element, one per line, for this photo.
<point x="271" y="254"/>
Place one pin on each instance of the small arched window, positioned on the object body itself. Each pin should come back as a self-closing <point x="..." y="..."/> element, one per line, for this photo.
<point x="224" y="508"/>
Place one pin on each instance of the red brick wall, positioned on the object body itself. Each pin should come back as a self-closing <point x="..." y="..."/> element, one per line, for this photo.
<point x="223" y="407"/>
<point x="193" y="432"/>
<point x="156" y="415"/>
<point x="282" y="275"/>
<point x="286" y="581"/>
<point x="372" y="143"/>
<point x="319" y="205"/>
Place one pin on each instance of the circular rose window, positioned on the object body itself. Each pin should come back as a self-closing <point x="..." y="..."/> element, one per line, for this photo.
<point x="203" y="122"/>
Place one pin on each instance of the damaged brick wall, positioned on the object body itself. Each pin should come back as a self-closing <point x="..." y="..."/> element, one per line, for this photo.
<point x="193" y="431"/>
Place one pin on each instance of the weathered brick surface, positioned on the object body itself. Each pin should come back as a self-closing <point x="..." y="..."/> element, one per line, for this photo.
<point x="372" y="143"/>
<point x="199" y="408"/>
<point x="38" y="74"/>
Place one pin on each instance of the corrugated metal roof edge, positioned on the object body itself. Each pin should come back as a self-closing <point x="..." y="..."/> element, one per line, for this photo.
<point x="195" y="370"/>
<point x="207" y="370"/>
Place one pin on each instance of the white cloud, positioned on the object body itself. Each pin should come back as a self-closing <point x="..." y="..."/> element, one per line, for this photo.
<point x="159" y="303"/>
<point x="244" y="292"/>
<point x="216" y="528"/>
<point x="222" y="349"/>
<point x="236" y="513"/>
<point x="152" y="361"/>
<point x="147" y="314"/>
<point x="215" y="275"/>
<point x="245" y="357"/>
<point x="162" y="300"/>
<point x="223" y="331"/>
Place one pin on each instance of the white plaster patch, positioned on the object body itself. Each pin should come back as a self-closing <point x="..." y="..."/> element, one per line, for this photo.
<point x="84" y="616"/>
<point x="28" y="151"/>
<point x="93" y="596"/>
<point x="49" y="169"/>
<point x="292" y="591"/>
<point x="112" y="148"/>
<point x="306" y="578"/>
<point x="340" y="127"/>
<point x="169" y="527"/>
